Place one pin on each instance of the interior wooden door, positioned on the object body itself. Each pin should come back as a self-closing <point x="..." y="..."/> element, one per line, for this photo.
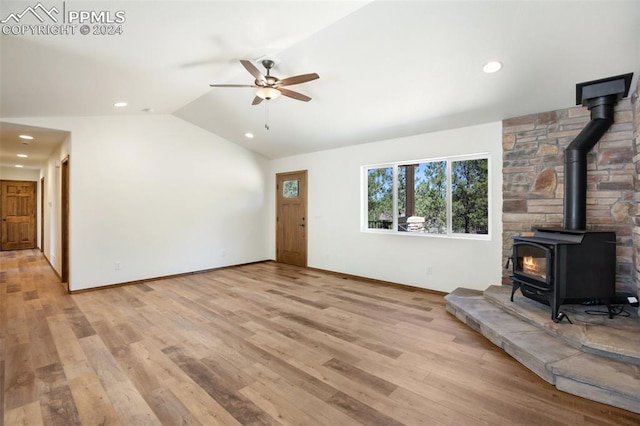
<point x="18" y="213"/>
<point x="291" y="218"/>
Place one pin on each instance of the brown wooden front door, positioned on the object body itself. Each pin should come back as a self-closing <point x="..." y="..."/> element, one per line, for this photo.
<point x="18" y="211"/>
<point x="291" y="218"/>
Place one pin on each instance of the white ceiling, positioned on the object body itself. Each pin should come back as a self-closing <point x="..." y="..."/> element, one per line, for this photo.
<point x="44" y="143"/>
<point x="387" y="68"/>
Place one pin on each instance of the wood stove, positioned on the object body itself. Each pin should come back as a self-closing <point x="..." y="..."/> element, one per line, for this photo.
<point x="558" y="266"/>
<point x="573" y="265"/>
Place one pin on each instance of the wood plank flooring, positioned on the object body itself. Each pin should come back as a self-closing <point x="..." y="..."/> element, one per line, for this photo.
<point x="260" y="344"/>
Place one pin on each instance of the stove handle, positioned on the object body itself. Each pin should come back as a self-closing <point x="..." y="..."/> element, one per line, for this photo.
<point x="509" y="260"/>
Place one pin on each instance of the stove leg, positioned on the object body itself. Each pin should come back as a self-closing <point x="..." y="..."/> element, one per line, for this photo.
<point x="608" y="304"/>
<point x="555" y="302"/>
<point x="560" y="316"/>
<point x="514" y="287"/>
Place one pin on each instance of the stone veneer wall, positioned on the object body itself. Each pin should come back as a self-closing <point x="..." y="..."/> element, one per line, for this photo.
<point x="533" y="180"/>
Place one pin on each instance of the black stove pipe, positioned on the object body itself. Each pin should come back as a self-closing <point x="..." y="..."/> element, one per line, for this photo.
<point x="600" y="97"/>
<point x="575" y="161"/>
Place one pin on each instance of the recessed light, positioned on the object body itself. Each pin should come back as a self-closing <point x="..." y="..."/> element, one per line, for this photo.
<point x="26" y="137"/>
<point x="492" y="66"/>
<point x="120" y="104"/>
<point x="22" y="155"/>
<point x="248" y="135"/>
<point x="19" y="166"/>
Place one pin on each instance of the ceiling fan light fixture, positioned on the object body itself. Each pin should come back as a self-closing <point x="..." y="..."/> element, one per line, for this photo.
<point x="269" y="87"/>
<point x="267" y="93"/>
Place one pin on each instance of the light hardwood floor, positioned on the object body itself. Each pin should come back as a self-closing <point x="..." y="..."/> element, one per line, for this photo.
<point x="258" y="344"/>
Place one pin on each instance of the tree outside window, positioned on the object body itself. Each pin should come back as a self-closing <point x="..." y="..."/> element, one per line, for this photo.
<point x="470" y="196"/>
<point x="380" y="198"/>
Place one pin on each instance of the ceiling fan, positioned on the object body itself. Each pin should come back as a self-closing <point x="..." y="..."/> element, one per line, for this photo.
<point x="270" y="87"/>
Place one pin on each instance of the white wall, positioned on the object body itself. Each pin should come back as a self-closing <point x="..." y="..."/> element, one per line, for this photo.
<point x="158" y="195"/>
<point x="336" y="243"/>
<point x="13" y="173"/>
<point x="52" y="174"/>
<point x="162" y="197"/>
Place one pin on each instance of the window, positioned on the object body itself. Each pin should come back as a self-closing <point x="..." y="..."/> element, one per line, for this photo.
<point x="380" y="199"/>
<point x="290" y="189"/>
<point x="422" y="193"/>
<point x="470" y="196"/>
<point x="441" y="197"/>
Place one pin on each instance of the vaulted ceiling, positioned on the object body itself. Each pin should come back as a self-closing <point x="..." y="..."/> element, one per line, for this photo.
<point x="387" y="68"/>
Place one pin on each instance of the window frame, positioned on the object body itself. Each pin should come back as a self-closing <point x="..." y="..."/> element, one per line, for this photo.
<point x="364" y="219"/>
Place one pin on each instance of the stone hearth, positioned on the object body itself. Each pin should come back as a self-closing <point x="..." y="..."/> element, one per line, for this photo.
<point x="595" y="357"/>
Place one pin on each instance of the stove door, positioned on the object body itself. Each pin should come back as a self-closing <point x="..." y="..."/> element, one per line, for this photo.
<point x="533" y="263"/>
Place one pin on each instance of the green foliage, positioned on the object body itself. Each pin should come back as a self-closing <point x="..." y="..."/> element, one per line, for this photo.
<point x="470" y="196"/>
<point x="402" y="190"/>
<point x="431" y="195"/>
<point x="380" y="194"/>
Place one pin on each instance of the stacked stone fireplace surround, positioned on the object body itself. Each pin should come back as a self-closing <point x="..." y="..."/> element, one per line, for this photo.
<point x="533" y="180"/>
<point x="594" y="357"/>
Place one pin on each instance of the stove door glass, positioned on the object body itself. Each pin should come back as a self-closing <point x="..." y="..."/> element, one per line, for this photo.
<point x="531" y="260"/>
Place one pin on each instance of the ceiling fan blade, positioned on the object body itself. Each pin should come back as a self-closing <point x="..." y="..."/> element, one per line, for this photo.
<point x="256" y="100"/>
<point x="297" y="79"/>
<point x="255" y="72"/>
<point x="231" y="85"/>
<point x="294" y="95"/>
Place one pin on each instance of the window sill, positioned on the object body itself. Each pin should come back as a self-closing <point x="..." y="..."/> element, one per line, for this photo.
<point x="476" y="237"/>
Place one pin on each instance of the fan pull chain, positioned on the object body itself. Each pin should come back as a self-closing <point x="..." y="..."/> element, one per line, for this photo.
<point x="266" y="115"/>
